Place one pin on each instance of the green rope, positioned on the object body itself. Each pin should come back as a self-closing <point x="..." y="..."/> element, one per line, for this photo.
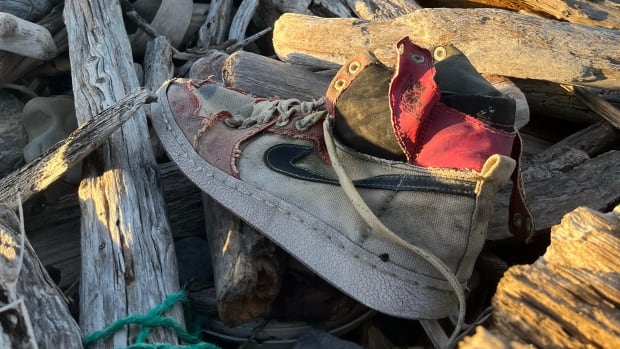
<point x="154" y="318"/>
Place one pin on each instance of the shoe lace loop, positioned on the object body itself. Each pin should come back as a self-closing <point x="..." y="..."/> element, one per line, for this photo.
<point x="265" y="111"/>
<point x="376" y="225"/>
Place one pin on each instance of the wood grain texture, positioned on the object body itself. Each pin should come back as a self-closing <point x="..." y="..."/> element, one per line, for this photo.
<point x="267" y="77"/>
<point x="557" y="181"/>
<point x="44" y="305"/>
<point x="535" y="47"/>
<point x="382" y="10"/>
<point x="214" y="30"/>
<point x="34" y="177"/>
<point x="601" y="13"/>
<point x="569" y="297"/>
<point x="246" y="270"/>
<point x="14" y="66"/>
<point x="128" y="259"/>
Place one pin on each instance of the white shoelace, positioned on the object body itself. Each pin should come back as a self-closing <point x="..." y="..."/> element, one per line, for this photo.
<point x="373" y="222"/>
<point x="264" y="111"/>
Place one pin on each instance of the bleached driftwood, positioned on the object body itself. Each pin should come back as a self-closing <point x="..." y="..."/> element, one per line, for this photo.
<point x="128" y="260"/>
<point x="25" y="38"/>
<point x="566" y="175"/>
<point x="569" y="297"/>
<point x="39" y="316"/>
<point x="209" y="65"/>
<point x="54" y="229"/>
<point x="31" y="10"/>
<point x="551" y="100"/>
<point x="382" y="10"/>
<point x="601" y="13"/>
<point x="267" y="77"/>
<point x="215" y="27"/>
<point x="242" y="18"/>
<point x="535" y="47"/>
<point x="37" y="175"/>
<point x="14" y="66"/>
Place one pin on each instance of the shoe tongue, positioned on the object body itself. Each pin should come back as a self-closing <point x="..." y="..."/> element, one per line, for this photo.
<point x="464" y="89"/>
<point x="363" y="115"/>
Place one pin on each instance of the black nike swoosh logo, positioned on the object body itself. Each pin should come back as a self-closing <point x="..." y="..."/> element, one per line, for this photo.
<point x="281" y="158"/>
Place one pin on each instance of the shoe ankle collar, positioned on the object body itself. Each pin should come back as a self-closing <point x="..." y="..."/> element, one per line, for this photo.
<point x="347" y="73"/>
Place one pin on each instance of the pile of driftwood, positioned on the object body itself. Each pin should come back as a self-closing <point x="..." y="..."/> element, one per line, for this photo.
<point x="113" y="235"/>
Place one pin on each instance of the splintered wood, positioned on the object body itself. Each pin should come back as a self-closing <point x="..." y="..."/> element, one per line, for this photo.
<point x="569" y="298"/>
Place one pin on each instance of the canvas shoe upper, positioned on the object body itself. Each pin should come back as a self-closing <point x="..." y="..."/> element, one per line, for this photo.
<point x="399" y="236"/>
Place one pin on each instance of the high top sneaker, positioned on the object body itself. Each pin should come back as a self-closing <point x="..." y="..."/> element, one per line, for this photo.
<point x="399" y="234"/>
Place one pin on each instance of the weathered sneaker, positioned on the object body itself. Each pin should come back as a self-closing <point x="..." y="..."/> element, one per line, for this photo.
<point x="400" y="236"/>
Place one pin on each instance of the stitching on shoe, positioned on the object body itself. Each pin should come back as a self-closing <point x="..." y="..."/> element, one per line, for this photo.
<point x="299" y="219"/>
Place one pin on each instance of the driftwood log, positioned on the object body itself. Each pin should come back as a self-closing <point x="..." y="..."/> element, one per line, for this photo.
<point x="37" y="175"/>
<point x="535" y="47"/>
<point x="267" y="77"/>
<point x="569" y="297"/>
<point x="214" y="30"/>
<point x="54" y="228"/>
<point x="602" y="13"/>
<point x="242" y="18"/>
<point x="25" y="38"/>
<point x="13" y="66"/>
<point x="34" y="312"/>
<point x="564" y="177"/>
<point x="246" y="270"/>
<point x="382" y="10"/>
<point x="128" y="260"/>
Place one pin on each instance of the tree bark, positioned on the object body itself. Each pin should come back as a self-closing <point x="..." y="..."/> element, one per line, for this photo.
<point x="569" y="297"/>
<point x="128" y="260"/>
<point x="535" y="47"/>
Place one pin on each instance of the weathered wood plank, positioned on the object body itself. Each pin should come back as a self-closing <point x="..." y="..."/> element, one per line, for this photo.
<point x="128" y="260"/>
<point x="569" y="297"/>
<point x="535" y="47"/>
<point x="34" y="177"/>
<point x="44" y="304"/>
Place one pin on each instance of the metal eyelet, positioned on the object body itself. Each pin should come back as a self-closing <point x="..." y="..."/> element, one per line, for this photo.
<point x="354" y="67"/>
<point x="417" y="58"/>
<point x="339" y="85"/>
<point x="517" y="220"/>
<point x="440" y="53"/>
